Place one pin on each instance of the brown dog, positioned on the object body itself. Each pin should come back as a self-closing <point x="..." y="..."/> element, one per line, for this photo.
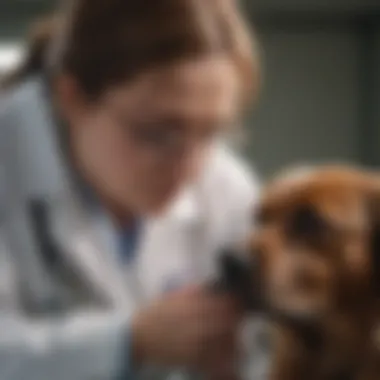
<point x="317" y="247"/>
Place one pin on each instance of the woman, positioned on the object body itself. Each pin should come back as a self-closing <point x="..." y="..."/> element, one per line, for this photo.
<point x="116" y="194"/>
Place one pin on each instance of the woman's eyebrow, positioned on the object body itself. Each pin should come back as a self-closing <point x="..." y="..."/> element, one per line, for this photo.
<point x="176" y="120"/>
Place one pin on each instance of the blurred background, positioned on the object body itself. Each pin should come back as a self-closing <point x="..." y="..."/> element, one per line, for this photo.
<point x="321" y="95"/>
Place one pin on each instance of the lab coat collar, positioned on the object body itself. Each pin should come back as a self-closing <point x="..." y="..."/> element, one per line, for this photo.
<point x="186" y="207"/>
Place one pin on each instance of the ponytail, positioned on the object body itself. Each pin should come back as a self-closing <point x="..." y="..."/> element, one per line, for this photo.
<point x="35" y="56"/>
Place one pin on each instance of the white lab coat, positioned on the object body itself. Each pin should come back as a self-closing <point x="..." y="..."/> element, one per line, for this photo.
<point x="95" y="295"/>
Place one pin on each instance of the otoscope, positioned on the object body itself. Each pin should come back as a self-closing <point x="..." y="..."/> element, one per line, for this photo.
<point x="237" y="277"/>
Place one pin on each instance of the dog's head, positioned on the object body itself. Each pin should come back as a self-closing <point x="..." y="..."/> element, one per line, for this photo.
<point x="317" y="243"/>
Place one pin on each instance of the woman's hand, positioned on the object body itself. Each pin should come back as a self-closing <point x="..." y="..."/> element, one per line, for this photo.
<point x="192" y="328"/>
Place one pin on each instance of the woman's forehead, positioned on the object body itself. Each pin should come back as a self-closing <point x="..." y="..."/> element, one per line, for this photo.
<point x="207" y="74"/>
<point x="208" y="87"/>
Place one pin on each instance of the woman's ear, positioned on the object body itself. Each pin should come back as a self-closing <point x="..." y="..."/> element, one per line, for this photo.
<point x="69" y="98"/>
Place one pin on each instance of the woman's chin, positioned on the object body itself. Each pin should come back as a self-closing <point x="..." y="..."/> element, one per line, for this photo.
<point x="158" y="205"/>
<point x="155" y="202"/>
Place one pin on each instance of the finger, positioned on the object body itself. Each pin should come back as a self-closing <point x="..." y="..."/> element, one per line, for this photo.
<point x="234" y="376"/>
<point x="218" y="305"/>
<point x="221" y="346"/>
<point x="221" y="361"/>
<point x="214" y="328"/>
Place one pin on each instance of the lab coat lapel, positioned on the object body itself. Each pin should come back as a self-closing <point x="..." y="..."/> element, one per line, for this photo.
<point x="89" y="250"/>
<point x="172" y="253"/>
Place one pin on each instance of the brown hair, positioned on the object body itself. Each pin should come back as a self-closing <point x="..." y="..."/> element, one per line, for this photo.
<point x="104" y="42"/>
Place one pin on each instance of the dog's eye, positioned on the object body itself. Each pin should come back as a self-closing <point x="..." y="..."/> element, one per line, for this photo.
<point x="306" y="223"/>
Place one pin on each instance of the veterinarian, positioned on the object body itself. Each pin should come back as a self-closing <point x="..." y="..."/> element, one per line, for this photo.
<point x="116" y="192"/>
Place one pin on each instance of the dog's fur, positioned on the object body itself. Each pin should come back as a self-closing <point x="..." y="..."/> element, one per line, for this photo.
<point x="317" y="246"/>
